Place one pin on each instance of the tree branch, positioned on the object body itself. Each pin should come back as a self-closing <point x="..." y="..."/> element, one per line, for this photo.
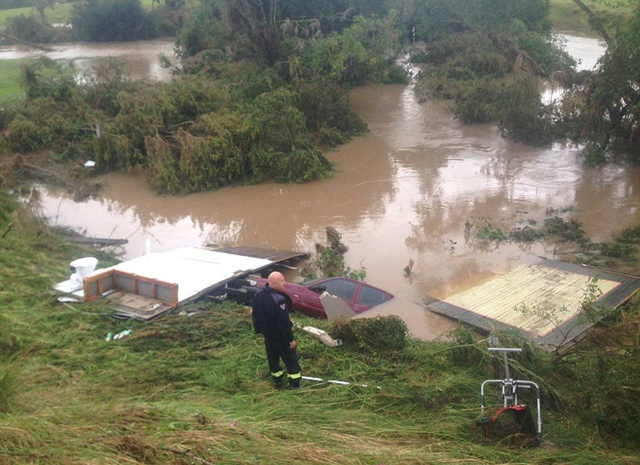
<point x="595" y="21"/>
<point x="24" y="42"/>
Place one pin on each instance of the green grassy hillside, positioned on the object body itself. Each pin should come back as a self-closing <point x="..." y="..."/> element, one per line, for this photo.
<point x="9" y="78"/>
<point x="566" y="16"/>
<point x="60" y="14"/>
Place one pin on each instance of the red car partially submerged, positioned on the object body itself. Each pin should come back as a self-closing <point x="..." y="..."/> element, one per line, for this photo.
<point x="358" y="295"/>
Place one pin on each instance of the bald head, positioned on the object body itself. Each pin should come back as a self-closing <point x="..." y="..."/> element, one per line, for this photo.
<point x="276" y="281"/>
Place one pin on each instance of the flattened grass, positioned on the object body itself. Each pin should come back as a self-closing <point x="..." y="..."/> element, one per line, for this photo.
<point x="194" y="390"/>
<point x="10" y="79"/>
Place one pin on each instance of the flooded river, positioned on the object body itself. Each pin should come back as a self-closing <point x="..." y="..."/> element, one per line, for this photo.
<point x="405" y="191"/>
<point x="140" y="58"/>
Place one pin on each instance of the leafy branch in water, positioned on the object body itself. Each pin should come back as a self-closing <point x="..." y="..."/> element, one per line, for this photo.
<point x="490" y="233"/>
<point x="329" y="259"/>
<point x="591" y="312"/>
<point x="622" y="250"/>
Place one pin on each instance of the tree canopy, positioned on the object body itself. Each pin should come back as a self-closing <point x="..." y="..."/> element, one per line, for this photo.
<point x="605" y="111"/>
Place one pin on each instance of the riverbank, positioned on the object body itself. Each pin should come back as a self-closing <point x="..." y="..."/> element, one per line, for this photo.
<point x="197" y="389"/>
<point x="10" y="79"/>
<point x="566" y="16"/>
<point x="59" y="14"/>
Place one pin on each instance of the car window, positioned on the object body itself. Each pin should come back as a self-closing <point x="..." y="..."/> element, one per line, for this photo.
<point x="371" y="297"/>
<point x="341" y="288"/>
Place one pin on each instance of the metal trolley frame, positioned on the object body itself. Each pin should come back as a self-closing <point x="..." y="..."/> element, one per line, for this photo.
<point x="510" y="389"/>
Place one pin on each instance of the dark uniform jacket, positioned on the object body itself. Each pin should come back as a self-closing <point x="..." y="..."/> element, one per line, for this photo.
<point x="271" y="314"/>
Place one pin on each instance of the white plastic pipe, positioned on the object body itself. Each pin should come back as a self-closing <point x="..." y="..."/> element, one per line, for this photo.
<point x="334" y="381"/>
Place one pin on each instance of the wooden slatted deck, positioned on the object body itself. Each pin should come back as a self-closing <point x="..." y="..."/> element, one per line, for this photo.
<point x="550" y="286"/>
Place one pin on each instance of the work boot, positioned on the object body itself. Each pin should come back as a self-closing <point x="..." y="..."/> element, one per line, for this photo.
<point x="294" y="383"/>
<point x="278" y="381"/>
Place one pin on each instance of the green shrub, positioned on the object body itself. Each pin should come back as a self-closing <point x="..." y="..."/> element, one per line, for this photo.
<point x="103" y="84"/>
<point x="162" y="171"/>
<point x="476" y="64"/>
<point x="298" y="165"/>
<point x="490" y="233"/>
<point x="211" y="62"/>
<point x="35" y="133"/>
<point x="464" y="352"/>
<point x="113" y="150"/>
<point x="276" y="125"/>
<point x="547" y="53"/>
<point x="567" y="230"/>
<point x="44" y="77"/>
<point x="594" y="153"/>
<point x="112" y="21"/>
<point x="395" y="75"/>
<point x="7" y="205"/>
<point x="526" y="234"/>
<point x="327" y="112"/>
<point x="522" y="115"/>
<point x="4" y="146"/>
<point x="31" y="29"/>
<point x="630" y="234"/>
<point x="377" y="335"/>
<point x="360" y="54"/>
<point x="604" y="373"/>
<point x="42" y="123"/>
<point x="479" y="103"/>
<point x="617" y="249"/>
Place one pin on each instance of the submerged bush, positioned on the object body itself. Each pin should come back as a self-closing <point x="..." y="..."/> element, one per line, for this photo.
<point x="327" y="113"/>
<point x="547" y="53"/>
<point x="31" y="29"/>
<point x="226" y="153"/>
<point x="47" y="128"/>
<point x="102" y="86"/>
<point x="44" y="77"/>
<point x="616" y="249"/>
<point x="594" y="153"/>
<point x="298" y="165"/>
<point x="570" y="230"/>
<point x="479" y="104"/>
<point x="522" y="115"/>
<point x="630" y="234"/>
<point x="494" y="79"/>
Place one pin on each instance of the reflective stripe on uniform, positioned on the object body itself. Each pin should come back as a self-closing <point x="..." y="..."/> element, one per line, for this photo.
<point x="278" y="374"/>
<point x="294" y="376"/>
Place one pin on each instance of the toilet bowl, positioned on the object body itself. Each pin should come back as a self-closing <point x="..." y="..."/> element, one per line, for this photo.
<point x="84" y="267"/>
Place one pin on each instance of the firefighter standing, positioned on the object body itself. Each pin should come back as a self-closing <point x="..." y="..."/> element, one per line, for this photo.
<point x="271" y="307"/>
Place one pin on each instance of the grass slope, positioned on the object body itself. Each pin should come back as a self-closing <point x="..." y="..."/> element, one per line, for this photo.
<point x="196" y="390"/>
<point x="566" y="16"/>
<point x="9" y="78"/>
<point x="60" y="14"/>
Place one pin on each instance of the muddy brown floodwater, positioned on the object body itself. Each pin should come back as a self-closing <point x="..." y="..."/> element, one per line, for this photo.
<point x="140" y="58"/>
<point x="405" y="191"/>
